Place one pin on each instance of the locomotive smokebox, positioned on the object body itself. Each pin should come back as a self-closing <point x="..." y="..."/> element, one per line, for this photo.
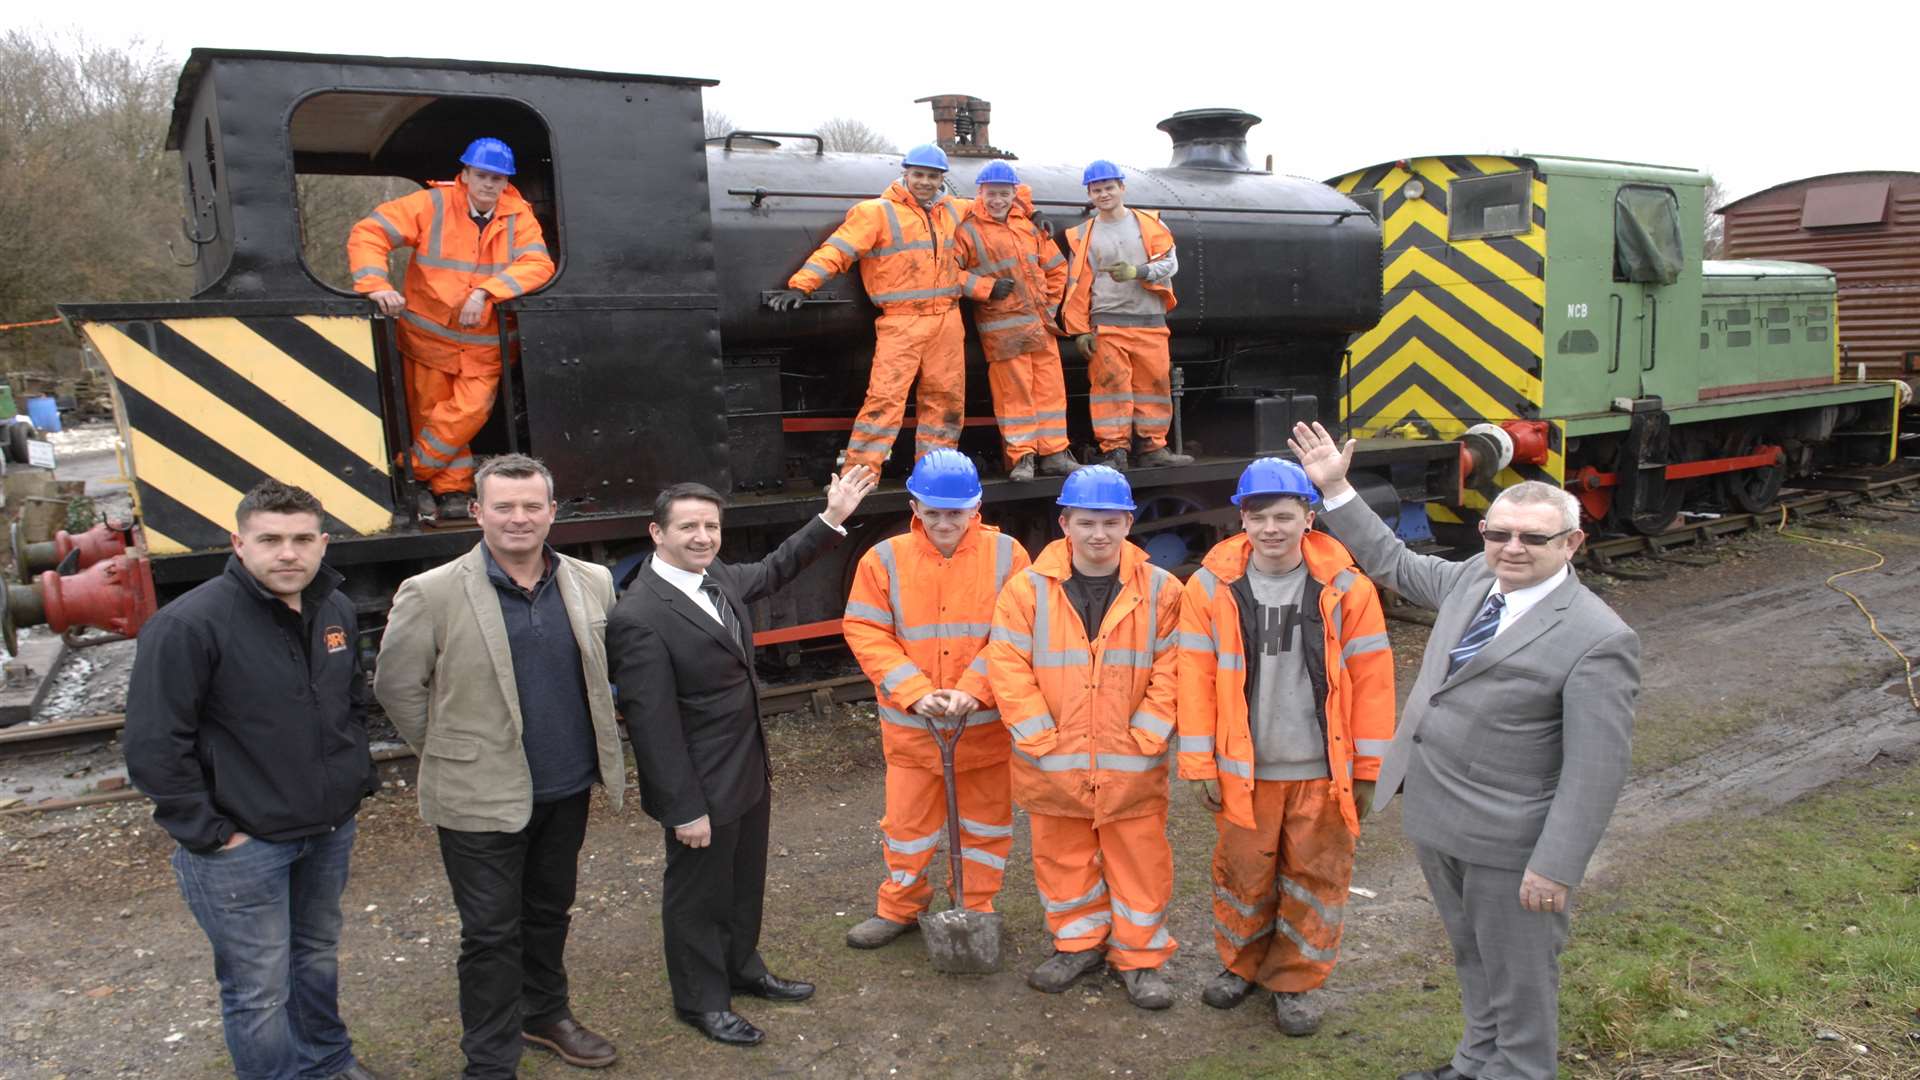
<point x="1209" y="139"/>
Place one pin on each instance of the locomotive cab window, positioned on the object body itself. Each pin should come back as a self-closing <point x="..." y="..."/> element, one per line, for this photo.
<point x="1646" y="235"/>
<point x="354" y="150"/>
<point x="1481" y="207"/>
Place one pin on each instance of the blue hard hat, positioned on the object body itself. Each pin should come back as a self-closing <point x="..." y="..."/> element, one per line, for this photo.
<point x="1275" y="476"/>
<point x="945" y="480"/>
<point x="489" y="154"/>
<point x="927" y="156"/>
<point x="1102" y="170"/>
<point x="997" y="172"/>
<point x="1096" y="487"/>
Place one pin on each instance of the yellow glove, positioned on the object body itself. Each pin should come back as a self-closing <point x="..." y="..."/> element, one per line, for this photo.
<point x="1363" y="797"/>
<point x="1123" y="271"/>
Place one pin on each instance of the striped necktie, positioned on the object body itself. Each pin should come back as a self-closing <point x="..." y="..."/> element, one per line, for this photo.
<point x="1478" y="634"/>
<point x="721" y="608"/>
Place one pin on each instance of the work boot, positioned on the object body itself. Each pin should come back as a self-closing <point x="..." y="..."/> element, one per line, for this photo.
<point x="1057" y="972"/>
<point x="876" y="932"/>
<point x="1022" y="470"/>
<point x="1297" y="1014"/>
<point x="1114" y="459"/>
<point x="1226" y="990"/>
<point x="1147" y="988"/>
<point x="1060" y="464"/>
<point x="576" y="1044"/>
<point x="453" y="505"/>
<point x="1161" y="458"/>
<point x="425" y="506"/>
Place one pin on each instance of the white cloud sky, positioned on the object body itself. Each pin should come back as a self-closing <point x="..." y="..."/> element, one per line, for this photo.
<point x="1758" y="93"/>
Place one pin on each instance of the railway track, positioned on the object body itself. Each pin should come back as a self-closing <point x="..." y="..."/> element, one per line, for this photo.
<point x="1880" y="494"/>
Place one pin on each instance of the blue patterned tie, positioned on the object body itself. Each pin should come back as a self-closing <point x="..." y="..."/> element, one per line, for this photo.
<point x="1477" y="635"/>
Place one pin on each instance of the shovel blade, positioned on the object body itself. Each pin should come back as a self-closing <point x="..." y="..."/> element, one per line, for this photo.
<point x="962" y="942"/>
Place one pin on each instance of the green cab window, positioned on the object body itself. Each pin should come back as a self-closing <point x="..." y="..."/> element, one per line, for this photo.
<point x="1646" y="235"/>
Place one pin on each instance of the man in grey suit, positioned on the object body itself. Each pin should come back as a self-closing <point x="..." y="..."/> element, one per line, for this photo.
<point x="1513" y="748"/>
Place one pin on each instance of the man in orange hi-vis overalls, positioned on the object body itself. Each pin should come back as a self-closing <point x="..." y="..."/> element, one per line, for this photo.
<point x="1286" y="705"/>
<point x="1116" y="307"/>
<point x="917" y="620"/>
<point x="475" y="241"/>
<point x="999" y="238"/>
<point x="903" y="241"/>
<point x="1084" y="667"/>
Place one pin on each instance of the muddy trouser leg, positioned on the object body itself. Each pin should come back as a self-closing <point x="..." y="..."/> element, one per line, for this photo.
<point x="1315" y="867"/>
<point x="942" y="406"/>
<point x="1110" y="379"/>
<point x="1012" y="383"/>
<point x="896" y="360"/>
<point x="1152" y="388"/>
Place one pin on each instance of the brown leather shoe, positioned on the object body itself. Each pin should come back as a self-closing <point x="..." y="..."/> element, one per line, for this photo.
<point x="575" y="1044"/>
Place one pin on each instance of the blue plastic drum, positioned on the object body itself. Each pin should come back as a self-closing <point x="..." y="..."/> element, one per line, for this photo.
<point x="44" y="413"/>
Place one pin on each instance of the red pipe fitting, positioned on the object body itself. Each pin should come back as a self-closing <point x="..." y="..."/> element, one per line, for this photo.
<point x="1529" y="440"/>
<point x="97" y="544"/>
<point x="115" y="595"/>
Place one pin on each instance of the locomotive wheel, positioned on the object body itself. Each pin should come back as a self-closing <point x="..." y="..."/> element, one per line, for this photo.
<point x="1661" y="518"/>
<point x="1751" y="491"/>
<point x="1170" y="548"/>
<point x="18" y="433"/>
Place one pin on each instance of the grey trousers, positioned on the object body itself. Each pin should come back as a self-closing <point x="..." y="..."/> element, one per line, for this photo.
<point x="1508" y="960"/>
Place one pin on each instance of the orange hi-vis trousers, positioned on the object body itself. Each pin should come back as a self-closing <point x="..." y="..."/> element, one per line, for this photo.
<point x="1280" y="889"/>
<point x="447" y="409"/>
<point x="1132" y="395"/>
<point x="932" y="347"/>
<point x="916" y="826"/>
<point x="1030" y="403"/>
<point x="1106" y="886"/>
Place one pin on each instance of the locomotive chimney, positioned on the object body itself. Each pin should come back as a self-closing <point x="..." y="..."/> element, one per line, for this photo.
<point x="960" y="125"/>
<point x="1210" y="138"/>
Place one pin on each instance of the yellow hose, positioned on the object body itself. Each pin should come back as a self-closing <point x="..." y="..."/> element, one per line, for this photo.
<point x="1873" y="624"/>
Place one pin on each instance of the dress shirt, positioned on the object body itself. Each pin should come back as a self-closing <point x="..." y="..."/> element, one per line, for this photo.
<point x="689" y="582"/>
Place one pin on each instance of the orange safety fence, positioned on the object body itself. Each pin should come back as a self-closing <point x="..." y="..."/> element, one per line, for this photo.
<point x="24" y="325"/>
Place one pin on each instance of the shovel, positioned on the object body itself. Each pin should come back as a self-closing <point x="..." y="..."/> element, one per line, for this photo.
<point x="959" y="942"/>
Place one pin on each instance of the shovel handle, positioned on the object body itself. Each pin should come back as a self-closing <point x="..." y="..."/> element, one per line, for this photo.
<point x="948" y="741"/>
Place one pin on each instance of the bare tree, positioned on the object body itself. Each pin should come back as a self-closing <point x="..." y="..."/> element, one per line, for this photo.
<point x="718" y="124"/>
<point x="329" y="207"/>
<point x="1715" y="241"/>
<point x="851" y="136"/>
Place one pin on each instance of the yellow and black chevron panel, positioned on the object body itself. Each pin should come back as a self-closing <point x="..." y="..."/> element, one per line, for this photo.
<point x="211" y="405"/>
<point x="1460" y="340"/>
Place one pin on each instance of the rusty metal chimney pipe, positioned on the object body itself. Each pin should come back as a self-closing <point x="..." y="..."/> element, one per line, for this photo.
<point x="1210" y="138"/>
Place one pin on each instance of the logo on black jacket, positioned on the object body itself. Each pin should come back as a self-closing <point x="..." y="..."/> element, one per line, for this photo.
<point x="336" y="639"/>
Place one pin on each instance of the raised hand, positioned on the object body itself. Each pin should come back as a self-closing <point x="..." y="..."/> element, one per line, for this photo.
<point x="845" y="492"/>
<point x="1325" y="460"/>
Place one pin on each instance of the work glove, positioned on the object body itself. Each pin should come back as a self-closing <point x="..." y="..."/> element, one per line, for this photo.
<point x="1084" y="344"/>
<point x="786" y="300"/>
<point x="1208" y="792"/>
<point x="1041" y="222"/>
<point x="1363" y="797"/>
<point x="1123" y="271"/>
<point x="1002" y="288"/>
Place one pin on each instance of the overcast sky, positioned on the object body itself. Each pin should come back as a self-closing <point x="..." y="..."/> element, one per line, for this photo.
<point x="1757" y="93"/>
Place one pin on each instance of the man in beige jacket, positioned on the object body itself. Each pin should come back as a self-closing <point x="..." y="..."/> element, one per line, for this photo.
<point x="494" y="669"/>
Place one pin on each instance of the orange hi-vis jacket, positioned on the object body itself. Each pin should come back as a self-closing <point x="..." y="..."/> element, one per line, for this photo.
<point x="1017" y="250"/>
<point x="1076" y="313"/>
<point x="1090" y="719"/>
<point x="908" y="264"/>
<point x="451" y="258"/>
<point x="1352" y="675"/>
<point x="918" y="621"/>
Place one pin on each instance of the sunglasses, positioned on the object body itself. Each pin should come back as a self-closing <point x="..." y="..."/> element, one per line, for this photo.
<point x="1501" y="536"/>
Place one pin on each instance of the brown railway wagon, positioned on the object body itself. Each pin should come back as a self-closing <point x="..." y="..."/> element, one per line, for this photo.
<point x="1865" y="227"/>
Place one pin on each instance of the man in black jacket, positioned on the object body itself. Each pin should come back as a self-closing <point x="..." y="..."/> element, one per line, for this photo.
<point x="680" y="646"/>
<point x="246" y="726"/>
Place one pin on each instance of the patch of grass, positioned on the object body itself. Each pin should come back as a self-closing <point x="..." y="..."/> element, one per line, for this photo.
<point x="1379" y="1034"/>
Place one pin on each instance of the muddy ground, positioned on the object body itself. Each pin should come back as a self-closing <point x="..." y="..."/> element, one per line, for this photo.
<point x="1760" y="686"/>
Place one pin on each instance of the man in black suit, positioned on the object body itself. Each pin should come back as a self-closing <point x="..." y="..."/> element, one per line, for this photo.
<point x="680" y="645"/>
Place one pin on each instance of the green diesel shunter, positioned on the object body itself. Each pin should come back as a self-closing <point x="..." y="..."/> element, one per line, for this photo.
<point x="1585" y="342"/>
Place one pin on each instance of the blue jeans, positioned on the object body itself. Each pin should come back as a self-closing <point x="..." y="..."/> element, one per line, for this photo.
<point x="272" y="913"/>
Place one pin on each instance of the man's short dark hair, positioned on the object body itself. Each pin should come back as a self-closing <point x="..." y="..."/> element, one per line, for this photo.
<point x="1260" y="504"/>
<point x="270" y="496"/>
<point x="663" y="503"/>
<point x="512" y="467"/>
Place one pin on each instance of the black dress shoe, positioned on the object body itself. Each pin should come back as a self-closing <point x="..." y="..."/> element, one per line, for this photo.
<point x="1442" y="1072"/>
<point x="774" y="988"/>
<point x="725" y="1027"/>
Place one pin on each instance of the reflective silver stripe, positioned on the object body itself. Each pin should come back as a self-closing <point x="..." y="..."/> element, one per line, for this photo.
<point x="369" y="272"/>
<point x="1196" y="744"/>
<point x="1085" y="925"/>
<point x="1230" y="662"/>
<point x="434" y="443"/>
<point x="1206" y="579"/>
<point x="1126" y="658"/>
<point x="981" y="828"/>
<point x="1059" y="430"/>
<point x="1033" y="725"/>
<point x="1231" y="767"/>
<point x="930" y="631"/>
<point x="858" y="610"/>
<point x="1006" y="324"/>
<point x="1328" y="915"/>
<point x="893" y="223"/>
<point x="973" y="281"/>
<point x="866" y="428"/>
<point x="1057" y="906"/>
<point x="1169" y="641"/>
<point x="1109" y="399"/>
<point x="1323" y="956"/>
<point x="895" y="249"/>
<point x="1157" y="941"/>
<point x="899" y="675"/>
<point x="936" y="432"/>
<point x="1338" y="610"/>
<point x="1239" y="941"/>
<point x="884" y="550"/>
<point x="439" y="213"/>
<point x="511" y="284"/>
<point x="447" y="333"/>
<point x="979" y="665"/>
<point x="1343" y="580"/>
<point x="1055" y="261"/>
<point x="1159" y="578"/>
<point x="818" y="269"/>
<point x="1131" y="762"/>
<point x="1365" y="643"/>
<point x="439" y="263"/>
<point x="915" y="294"/>
<point x="1002" y="561"/>
<point x="984" y="858"/>
<point x="1012" y="637"/>
<point x="1250" y="911"/>
<point x="516" y="252"/>
<point x="1042" y="611"/>
<point x="464" y="461"/>
<point x="1062" y="658"/>
<point x="844" y="247"/>
<point x="1154" y="399"/>
<point x="914" y="846"/>
<point x="1148" y="722"/>
<point x="979" y="245"/>
<point x="902" y="878"/>
<point x="1149" y="423"/>
<point x="894" y="716"/>
<point x="1138" y="918"/>
<point x="1372" y="747"/>
<point x="880" y="446"/>
<point x="1053" y="762"/>
<point x="393" y="234"/>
